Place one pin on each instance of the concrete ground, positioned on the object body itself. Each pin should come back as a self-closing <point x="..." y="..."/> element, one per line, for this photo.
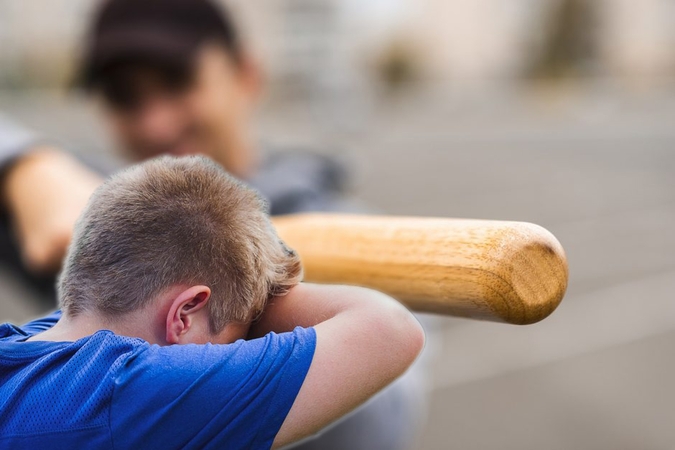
<point x="594" y="166"/>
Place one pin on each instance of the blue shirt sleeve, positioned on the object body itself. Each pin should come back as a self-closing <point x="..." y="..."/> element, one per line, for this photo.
<point x="231" y="396"/>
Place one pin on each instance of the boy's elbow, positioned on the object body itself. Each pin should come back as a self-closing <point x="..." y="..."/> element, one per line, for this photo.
<point x="403" y="335"/>
<point x="415" y="338"/>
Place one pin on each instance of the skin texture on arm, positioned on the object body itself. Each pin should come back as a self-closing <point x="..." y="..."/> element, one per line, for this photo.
<point x="44" y="192"/>
<point x="365" y="340"/>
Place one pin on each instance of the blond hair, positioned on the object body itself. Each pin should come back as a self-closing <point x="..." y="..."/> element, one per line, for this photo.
<point x="172" y="221"/>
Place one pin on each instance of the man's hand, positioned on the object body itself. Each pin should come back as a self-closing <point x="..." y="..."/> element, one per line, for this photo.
<point x="44" y="193"/>
<point x="365" y="340"/>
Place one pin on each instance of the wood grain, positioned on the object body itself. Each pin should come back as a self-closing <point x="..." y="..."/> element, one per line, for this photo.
<point x="512" y="272"/>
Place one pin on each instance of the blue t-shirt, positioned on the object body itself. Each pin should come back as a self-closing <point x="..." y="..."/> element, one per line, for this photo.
<point x="112" y="391"/>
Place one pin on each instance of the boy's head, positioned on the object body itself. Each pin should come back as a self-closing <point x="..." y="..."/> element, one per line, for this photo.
<point x="173" y="78"/>
<point x="180" y="232"/>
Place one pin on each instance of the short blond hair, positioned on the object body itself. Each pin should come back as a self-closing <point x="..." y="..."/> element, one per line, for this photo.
<point x="173" y="221"/>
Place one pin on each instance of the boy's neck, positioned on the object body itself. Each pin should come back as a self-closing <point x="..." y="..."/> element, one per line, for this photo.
<point x="70" y="329"/>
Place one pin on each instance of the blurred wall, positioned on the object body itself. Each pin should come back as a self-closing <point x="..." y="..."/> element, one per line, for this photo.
<point x="302" y="41"/>
<point x="639" y="37"/>
<point x="38" y="39"/>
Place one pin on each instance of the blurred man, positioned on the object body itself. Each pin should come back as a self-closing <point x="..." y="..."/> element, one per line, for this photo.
<point x="173" y="78"/>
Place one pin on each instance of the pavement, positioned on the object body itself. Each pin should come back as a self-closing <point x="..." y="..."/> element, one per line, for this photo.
<point x="595" y="166"/>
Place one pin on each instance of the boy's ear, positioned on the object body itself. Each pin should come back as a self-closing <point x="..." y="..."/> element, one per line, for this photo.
<point x="185" y="314"/>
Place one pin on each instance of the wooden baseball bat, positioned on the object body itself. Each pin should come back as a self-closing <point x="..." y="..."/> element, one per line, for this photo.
<point x="512" y="272"/>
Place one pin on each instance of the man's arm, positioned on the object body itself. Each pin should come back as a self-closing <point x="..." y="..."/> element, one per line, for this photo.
<point x="365" y="340"/>
<point x="44" y="190"/>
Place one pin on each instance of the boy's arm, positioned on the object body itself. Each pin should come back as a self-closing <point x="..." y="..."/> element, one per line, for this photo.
<point x="365" y="340"/>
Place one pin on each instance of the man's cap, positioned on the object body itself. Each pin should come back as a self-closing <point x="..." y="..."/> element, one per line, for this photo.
<point x="152" y="32"/>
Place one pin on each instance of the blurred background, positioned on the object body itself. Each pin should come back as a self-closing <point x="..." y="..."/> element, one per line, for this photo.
<point x="559" y="112"/>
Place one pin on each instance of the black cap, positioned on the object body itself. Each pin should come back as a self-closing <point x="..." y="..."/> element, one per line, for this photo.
<point x="152" y="32"/>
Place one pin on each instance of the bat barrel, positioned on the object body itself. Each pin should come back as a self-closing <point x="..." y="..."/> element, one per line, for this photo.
<point x="510" y="272"/>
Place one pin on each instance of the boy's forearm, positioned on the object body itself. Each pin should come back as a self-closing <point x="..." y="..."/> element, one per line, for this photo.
<point x="297" y="308"/>
<point x="307" y="305"/>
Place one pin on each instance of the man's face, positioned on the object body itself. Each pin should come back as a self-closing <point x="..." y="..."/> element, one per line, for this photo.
<point x="205" y="112"/>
